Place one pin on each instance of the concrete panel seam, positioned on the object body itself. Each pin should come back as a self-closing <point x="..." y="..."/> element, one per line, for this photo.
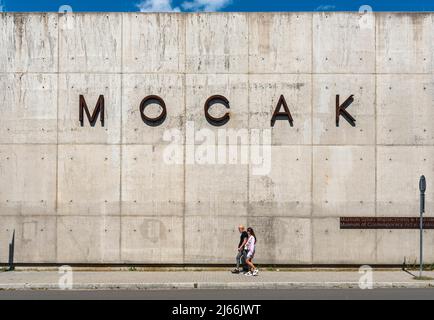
<point x="57" y="135"/>
<point x="311" y="141"/>
<point x="184" y="79"/>
<point x="121" y="139"/>
<point x="248" y="118"/>
<point x="376" y="139"/>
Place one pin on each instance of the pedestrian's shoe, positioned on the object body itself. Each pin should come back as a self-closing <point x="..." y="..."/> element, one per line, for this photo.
<point x="235" y="271"/>
<point x="249" y="274"/>
<point x="255" y="272"/>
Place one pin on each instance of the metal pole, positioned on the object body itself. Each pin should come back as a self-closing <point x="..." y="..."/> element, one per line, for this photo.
<point x="11" y="253"/>
<point x="422" y="188"/>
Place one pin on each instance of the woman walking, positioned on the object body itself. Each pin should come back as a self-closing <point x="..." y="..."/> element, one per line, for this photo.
<point x="250" y="248"/>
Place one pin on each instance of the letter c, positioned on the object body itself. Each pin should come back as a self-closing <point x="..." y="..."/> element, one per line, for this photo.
<point x="218" y="122"/>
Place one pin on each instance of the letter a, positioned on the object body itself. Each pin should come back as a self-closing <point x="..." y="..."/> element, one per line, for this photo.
<point x="279" y="115"/>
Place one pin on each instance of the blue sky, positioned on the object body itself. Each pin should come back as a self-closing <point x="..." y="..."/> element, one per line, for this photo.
<point x="217" y="5"/>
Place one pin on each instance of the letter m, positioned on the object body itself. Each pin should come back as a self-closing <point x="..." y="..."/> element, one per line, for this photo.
<point x="98" y="111"/>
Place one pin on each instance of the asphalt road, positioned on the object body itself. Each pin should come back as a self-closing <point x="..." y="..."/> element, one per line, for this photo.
<point x="300" y="294"/>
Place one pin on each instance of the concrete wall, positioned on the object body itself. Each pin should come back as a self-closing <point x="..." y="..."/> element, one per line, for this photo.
<point x="103" y="195"/>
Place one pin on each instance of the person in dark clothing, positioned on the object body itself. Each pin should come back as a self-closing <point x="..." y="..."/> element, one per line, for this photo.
<point x="241" y="252"/>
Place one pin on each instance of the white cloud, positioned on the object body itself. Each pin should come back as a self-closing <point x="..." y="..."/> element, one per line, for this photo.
<point x="205" y="5"/>
<point x="325" y="7"/>
<point x="189" y="5"/>
<point x="157" y="6"/>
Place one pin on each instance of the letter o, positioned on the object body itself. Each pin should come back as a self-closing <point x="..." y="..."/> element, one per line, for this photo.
<point x="153" y="122"/>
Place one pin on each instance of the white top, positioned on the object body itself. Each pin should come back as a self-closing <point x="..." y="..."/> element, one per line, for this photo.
<point x="250" y="244"/>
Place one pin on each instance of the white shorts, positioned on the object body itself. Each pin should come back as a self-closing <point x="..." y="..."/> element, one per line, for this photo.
<point x="250" y="254"/>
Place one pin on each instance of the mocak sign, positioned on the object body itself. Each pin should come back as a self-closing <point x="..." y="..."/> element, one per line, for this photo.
<point x="281" y="111"/>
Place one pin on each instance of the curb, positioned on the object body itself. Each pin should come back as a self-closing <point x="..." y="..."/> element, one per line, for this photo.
<point x="216" y="286"/>
<point x="311" y="285"/>
<point x="100" y="286"/>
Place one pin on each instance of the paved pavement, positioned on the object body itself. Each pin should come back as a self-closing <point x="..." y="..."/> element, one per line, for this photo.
<point x="221" y="295"/>
<point x="158" y="280"/>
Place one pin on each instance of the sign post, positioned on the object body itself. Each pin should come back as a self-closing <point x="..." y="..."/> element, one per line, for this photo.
<point x="422" y="188"/>
<point x="11" y="253"/>
<point x="396" y="222"/>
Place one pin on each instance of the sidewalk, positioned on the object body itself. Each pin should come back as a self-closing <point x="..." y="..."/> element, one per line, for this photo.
<point x="157" y="280"/>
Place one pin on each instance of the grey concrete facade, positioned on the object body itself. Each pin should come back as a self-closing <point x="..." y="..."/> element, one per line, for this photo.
<point x="103" y="194"/>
